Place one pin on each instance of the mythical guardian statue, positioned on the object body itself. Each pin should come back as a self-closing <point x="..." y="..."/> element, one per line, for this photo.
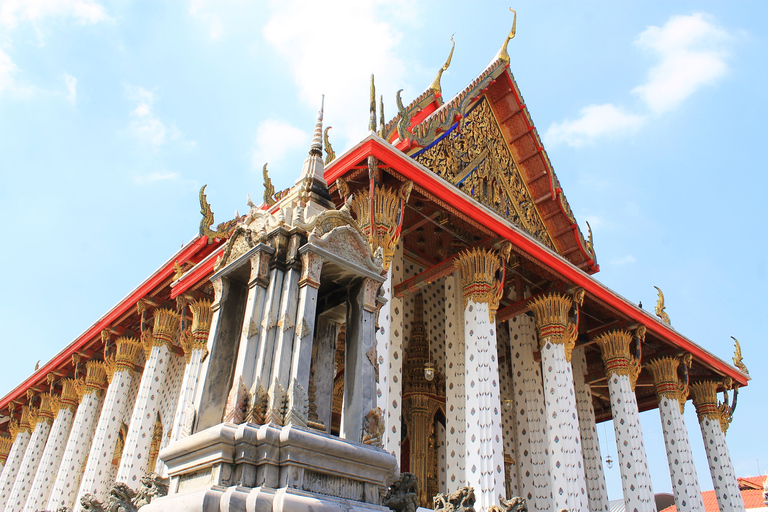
<point x="402" y="494"/>
<point x="516" y="504"/>
<point x="462" y="500"/>
<point x="119" y="500"/>
<point x="152" y="486"/>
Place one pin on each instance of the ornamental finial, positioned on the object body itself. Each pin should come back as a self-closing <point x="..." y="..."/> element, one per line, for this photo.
<point x="660" y="307"/>
<point x="738" y="360"/>
<point x="436" y="82"/>
<point x="503" y="55"/>
<point x="317" y="140"/>
<point x="372" y="121"/>
<point x="330" y="154"/>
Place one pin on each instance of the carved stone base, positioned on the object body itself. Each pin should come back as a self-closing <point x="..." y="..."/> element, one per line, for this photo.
<point x="273" y="468"/>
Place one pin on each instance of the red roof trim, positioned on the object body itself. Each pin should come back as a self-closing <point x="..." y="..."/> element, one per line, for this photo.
<point x="375" y="146"/>
<point x="192" y="249"/>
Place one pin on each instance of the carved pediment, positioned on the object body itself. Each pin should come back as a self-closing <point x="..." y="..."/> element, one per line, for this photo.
<point x="347" y="243"/>
<point x="241" y="241"/>
<point x="478" y="161"/>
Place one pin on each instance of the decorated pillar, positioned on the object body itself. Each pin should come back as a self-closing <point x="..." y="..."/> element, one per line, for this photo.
<point x="90" y="394"/>
<point x="622" y="370"/>
<point x="134" y="462"/>
<point x="42" y="427"/>
<point x="556" y="319"/>
<point x="20" y="433"/>
<point x="672" y="394"/>
<point x="63" y="408"/>
<point x="121" y="371"/>
<point x="714" y="419"/>
<point x="597" y="495"/>
<point x="455" y="399"/>
<point x="530" y="424"/>
<point x="484" y="451"/>
<point x="301" y="357"/>
<point x="194" y="346"/>
<point x="359" y="367"/>
<point x="252" y="334"/>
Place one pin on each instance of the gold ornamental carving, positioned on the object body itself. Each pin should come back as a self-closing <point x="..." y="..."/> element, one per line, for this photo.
<point x="556" y="318"/>
<point x="69" y="396"/>
<point x="28" y="418"/>
<point x="477" y="160"/>
<point x="738" y="359"/>
<point x="223" y="230"/>
<point x="44" y="413"/>
<point x="164" y="331"/>
<point x="126" y="356"/>
<point x="660" y="307"/>
<point x="665" y="373"/>
<point x="383" y="208"/>
<point x="5" y="447"/>
<point x="154" y="446"/>
<point x="704" y="394"/>
<point x="482" y="275"/>
<point x="95" y="377"/>
<point x="14" y="428"/>
<point x="197" y="336"/>
<point x="616" y="355"/>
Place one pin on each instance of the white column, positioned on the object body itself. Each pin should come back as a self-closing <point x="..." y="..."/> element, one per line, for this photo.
<point x="135" y="459"/>
<point x="64" y="410"/>
<point x="21" y="433"/>
<point x="557" y="336"/>
<point x="713" y="426"/>
<point x="455" y="401"/>
<point x="622" y="371"/>
<point x="484" y="449"/>
<point x="97" y="477"/>
<point x="682" y="469"/>
<point x="391" y="376"/>
<point x="79" y="441"/>
<point x="590" y="445"/>
<point x="194" y="348"/>
<point x="31" y="461"/>
<point x="530" y="424"/>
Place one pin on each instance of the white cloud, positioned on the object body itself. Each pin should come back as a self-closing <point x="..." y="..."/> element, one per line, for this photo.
<point x="595" y="121"/>
<point x="84" y="11"/>
<point x="146" y="126"/>
<point x="71" y="83"/>
<point x="624" y="260"/>
<point x="199" y="9"/>
<point x="7" y="71"/>
<point x="691" y="53"/>
<point x="275" y="138"/>
<point x="317" y="39"/>
<point x="156" y="176"/>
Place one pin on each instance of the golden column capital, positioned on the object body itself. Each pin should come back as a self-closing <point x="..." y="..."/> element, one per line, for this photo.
<point x="665" y="380"/>
<point x="552" y="314"/>
<point x="479" y="270"/>
<point x="704" y="394"/>
<point x="69" y="396"/>
<point x="126" y="356"/>
<point x="30" y="421"/>
<point x="164" y="331"/>
<point x="616" y="356"/>
<point x="95" y="377"/>
<point x="5" y="447"/>
<point x="197" y="338"/>
<point x="45" y="413"/>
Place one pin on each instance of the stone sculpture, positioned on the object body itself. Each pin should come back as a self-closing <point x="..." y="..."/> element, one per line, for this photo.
<point x="402" y="495"/>
<point x="152" y="486"/>
<point x="516" y="504"/>
<point x="462" y="500"/>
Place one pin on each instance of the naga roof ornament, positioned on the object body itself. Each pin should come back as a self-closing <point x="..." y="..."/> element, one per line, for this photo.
<point x="503" y="55"/>
<point x="660" y="307"/>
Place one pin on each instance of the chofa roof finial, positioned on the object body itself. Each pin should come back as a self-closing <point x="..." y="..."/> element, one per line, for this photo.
<point x="503" y="55"/>
<point x="372" y="122"/>
<point x="436" y="82"/>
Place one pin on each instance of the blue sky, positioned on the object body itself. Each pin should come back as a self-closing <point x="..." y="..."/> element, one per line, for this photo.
<point x="113" y="115"/>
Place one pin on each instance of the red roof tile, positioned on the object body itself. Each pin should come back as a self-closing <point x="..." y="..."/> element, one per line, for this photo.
<point x="753" y="498"/>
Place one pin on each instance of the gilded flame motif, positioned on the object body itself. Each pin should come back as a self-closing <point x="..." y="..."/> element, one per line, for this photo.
<point x="738" y="359"/>
<point x="329" y="152"/>
<point x="477" y="160"/>
<point x="197" y="336"/>
<point x="617" y="357"/>
<point x="126" y="356"/>
<point x="664" y="372"/>
<point x="704" y="394"/>
<point x="223" y="230"/>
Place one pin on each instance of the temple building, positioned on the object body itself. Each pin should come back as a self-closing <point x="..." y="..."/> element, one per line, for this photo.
<point x="414" y="323"/>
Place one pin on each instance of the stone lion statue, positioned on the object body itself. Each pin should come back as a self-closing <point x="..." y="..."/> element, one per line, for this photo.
<point x="402" y="495"/>
<point x="462" y="500"/>
<point x="152" y="486"/>
<point x="516" y="504"/>
<point x="119" y="500"/>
